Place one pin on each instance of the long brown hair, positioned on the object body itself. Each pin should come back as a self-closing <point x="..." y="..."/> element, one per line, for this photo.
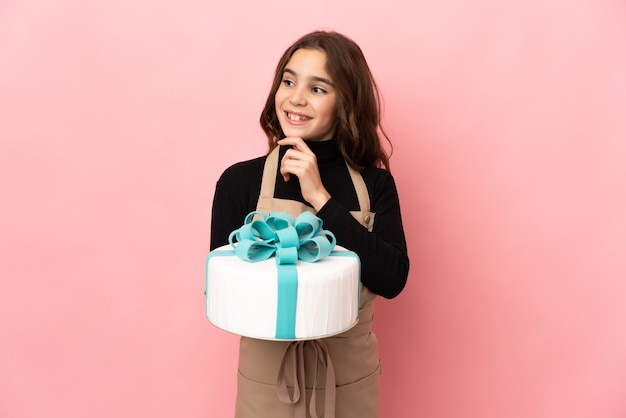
<point x="358" y="100"/>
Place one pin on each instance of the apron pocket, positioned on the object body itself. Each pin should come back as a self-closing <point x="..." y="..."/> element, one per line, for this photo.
<point x="353" y="400"/>
<point x="255" y="399"/>
<point x="359" y="399"/>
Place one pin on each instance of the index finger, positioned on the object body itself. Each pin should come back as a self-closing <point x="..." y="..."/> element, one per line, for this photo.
<point x="297" y="143"/>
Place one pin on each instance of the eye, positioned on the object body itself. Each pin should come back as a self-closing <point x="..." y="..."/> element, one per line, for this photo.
<point x="318" y="90"/>
<point x="288" y="82"/>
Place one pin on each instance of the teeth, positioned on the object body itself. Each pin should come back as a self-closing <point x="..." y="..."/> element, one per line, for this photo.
<point x="297" y="118"/>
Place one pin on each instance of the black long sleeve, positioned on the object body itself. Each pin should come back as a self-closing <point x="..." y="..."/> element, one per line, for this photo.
<point x="383" y="252"/>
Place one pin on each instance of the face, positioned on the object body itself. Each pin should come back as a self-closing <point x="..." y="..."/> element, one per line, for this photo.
<point x="306" y="101"/>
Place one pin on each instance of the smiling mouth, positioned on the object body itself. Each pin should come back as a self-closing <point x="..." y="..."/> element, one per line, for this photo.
<point x="297" y="118"/>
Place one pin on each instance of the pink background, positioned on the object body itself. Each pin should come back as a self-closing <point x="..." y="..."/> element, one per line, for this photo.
<point x="509" y="124"/>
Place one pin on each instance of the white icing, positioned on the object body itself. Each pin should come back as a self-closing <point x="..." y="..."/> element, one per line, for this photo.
<point x="242" y="296"/>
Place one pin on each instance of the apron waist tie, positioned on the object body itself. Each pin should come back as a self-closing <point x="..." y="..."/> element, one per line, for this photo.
<point x="294" y="353"/>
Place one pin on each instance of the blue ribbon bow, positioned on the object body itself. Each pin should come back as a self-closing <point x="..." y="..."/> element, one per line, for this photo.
<point x="289" y="240"/>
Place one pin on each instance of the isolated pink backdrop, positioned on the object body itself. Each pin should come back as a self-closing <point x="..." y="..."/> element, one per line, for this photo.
<point x="509" y="126"/>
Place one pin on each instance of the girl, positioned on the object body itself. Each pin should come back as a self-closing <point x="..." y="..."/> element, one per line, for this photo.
<point x="322" y="121"/>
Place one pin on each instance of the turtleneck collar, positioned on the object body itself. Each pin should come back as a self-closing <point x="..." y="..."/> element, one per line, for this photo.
<point x="325" y="151"/>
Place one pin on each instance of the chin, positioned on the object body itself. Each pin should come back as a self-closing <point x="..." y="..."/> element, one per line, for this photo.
<point x="294" y="133"/>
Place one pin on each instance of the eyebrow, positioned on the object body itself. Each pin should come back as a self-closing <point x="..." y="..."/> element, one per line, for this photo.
<point x="315" y="78"/>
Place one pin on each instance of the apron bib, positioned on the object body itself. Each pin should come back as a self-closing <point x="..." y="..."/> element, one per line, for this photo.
<point x="334" y="377"/>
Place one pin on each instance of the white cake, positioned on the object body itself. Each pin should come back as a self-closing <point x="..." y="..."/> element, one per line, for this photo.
<point x="242" y="296"/>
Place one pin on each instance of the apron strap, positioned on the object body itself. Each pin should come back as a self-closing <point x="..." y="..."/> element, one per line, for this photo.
<point x="268" y="182"/>
<point x="361" y="189"/>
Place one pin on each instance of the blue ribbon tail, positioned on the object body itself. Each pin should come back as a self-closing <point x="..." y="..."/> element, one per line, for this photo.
<point x="287" y="301"/>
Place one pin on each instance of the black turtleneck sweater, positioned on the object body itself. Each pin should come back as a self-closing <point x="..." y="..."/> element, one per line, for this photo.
<point x="383" y="252"/>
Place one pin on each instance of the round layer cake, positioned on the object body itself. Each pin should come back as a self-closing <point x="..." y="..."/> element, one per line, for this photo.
<point x="249" y="299"/>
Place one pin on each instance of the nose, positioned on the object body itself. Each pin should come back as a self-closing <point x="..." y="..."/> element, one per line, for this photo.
<point x="297" y="97"/>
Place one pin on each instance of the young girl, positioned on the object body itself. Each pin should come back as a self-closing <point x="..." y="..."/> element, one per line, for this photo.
<point x="322" y="121"/>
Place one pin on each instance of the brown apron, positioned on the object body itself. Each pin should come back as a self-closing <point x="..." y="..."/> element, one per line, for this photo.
<point x="334" y="377"/>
